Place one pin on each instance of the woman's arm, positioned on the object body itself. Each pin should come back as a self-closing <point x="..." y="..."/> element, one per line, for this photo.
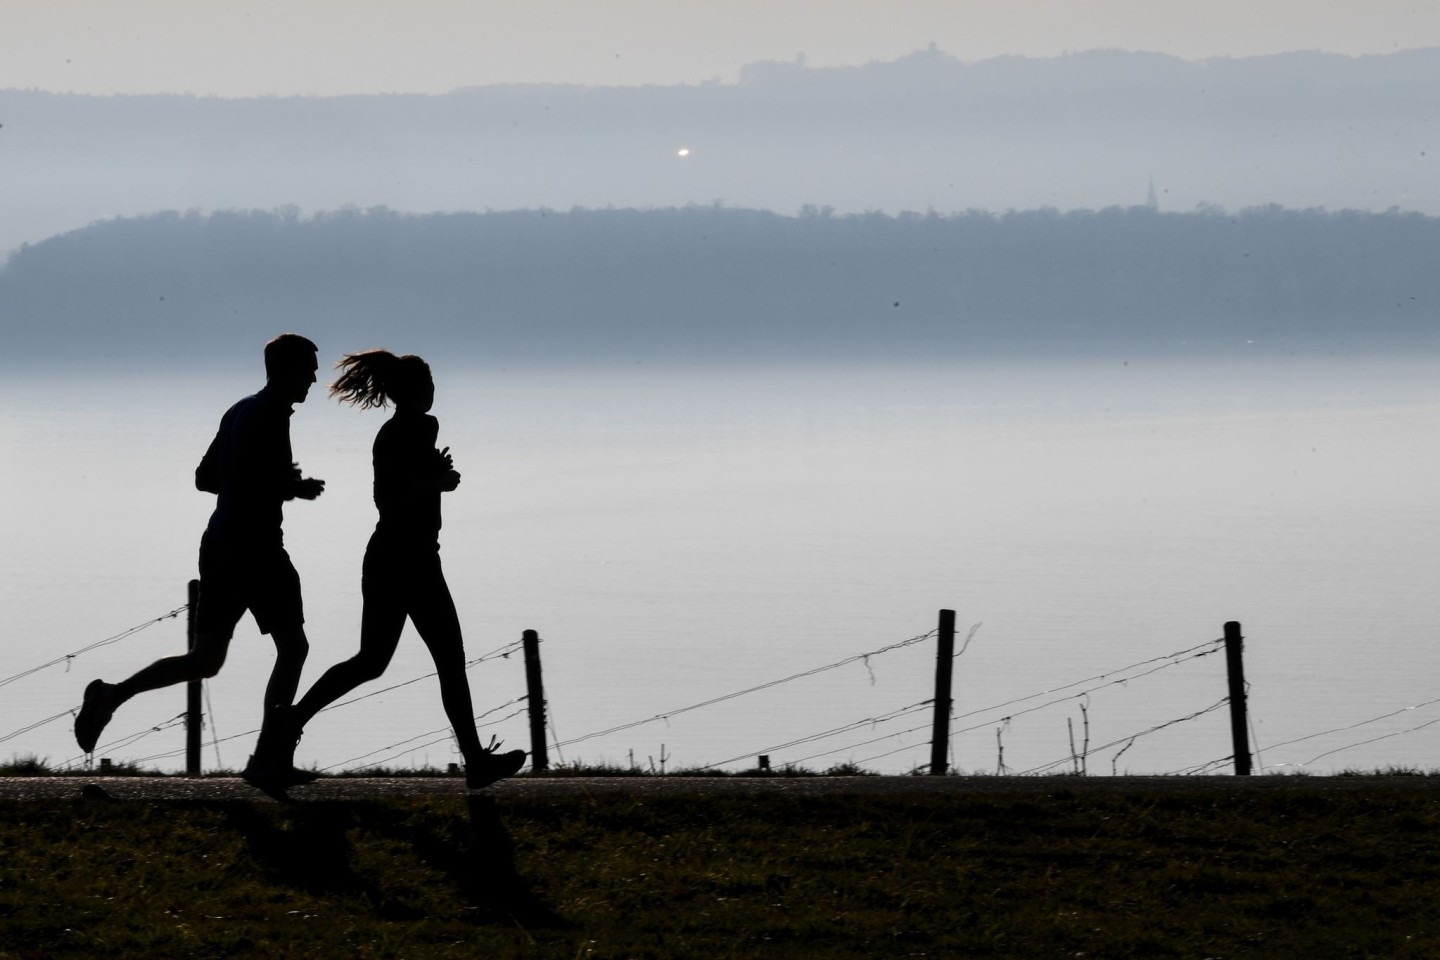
<point x="429" y="469"/>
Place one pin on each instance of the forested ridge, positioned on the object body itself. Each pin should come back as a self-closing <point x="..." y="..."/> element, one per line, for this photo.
<point x="715" y="283"/>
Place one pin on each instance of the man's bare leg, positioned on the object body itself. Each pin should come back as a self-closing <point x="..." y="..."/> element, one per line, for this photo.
<point x="291" y="649"/>
<point x="271" y="767"/>
<point x="102" y="699"/>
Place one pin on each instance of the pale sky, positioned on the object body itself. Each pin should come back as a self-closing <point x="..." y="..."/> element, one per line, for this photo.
<point x="327" y="47"/>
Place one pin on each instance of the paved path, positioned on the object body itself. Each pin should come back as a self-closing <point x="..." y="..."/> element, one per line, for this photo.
<point x="355" y="788"/>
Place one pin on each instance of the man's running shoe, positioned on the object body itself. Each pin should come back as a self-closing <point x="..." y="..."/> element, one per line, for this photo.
<point x="95" y="712"/>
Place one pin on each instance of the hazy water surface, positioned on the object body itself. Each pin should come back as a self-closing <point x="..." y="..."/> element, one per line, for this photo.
<point x="679" y="535"/>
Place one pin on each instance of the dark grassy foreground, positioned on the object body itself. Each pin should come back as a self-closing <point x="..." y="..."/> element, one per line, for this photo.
<point x="1226" y="873"/>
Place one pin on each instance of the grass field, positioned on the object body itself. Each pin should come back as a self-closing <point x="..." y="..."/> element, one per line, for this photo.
<point x="1300" y="872"/>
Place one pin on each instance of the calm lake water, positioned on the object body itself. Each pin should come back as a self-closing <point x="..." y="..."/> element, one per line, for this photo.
<point x="678" y="535"/>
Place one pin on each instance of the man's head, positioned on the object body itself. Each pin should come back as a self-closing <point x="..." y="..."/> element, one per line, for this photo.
<point x="290" y="365"/>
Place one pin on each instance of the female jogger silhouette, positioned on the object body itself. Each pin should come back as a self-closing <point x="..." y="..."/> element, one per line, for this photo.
<point x="402" y="575"/>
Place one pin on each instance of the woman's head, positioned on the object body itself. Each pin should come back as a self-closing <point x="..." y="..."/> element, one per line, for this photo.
<point x="373" y="378"/>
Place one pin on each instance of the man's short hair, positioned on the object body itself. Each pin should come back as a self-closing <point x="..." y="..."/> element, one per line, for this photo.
<point x="288" y="351"/>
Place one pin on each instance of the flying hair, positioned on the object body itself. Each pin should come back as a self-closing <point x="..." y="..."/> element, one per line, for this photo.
<point x="371" y="378"/>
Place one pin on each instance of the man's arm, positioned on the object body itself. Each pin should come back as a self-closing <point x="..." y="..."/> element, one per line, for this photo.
<point x="306" y="488"/>
<point x="207" y="474"/>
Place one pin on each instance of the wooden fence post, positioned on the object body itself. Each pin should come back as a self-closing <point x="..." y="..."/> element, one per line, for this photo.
<point x="535" y="692"/>
<point x="944" y="666"/>
<point x="1239" y="725"/>
<point x="193" y="713"/>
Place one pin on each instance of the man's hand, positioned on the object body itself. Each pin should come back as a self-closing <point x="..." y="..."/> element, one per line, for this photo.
<point x="309" y="488"/>
<point x="449" y="480"/>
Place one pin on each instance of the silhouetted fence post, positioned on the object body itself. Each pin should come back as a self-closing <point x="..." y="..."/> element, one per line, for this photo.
<point x="1239" y="726"/>
<point x="944" y="666"/>
<point x="535" y="692"/>
<point x="193" y="714"/>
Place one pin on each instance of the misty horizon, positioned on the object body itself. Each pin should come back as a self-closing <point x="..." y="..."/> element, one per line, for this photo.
<point x="925" y="132"/>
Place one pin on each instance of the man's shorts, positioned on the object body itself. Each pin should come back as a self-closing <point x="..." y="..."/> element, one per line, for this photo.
<point x="234" y="579"/>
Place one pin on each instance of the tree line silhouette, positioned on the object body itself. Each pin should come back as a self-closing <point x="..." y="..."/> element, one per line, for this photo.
<point x="717" y="283"/>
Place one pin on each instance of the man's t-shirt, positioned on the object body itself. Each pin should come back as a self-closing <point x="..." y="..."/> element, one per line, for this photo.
<point x="250" y="469"/>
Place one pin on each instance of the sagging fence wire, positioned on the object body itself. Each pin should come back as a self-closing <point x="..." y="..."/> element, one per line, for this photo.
<point x="67" y="658"/>
<point x="1201" y="769"/>
<point x="37" y="725"/>
<point x="1387" y="736"/>
<point x="1129" y="741"/>
<point x="1109" y="677"/>
<point x="1356" y="726"/>
<point x="502" y="652"/>
<point x="871" y="722"/>
<point x="499" y="653"/>
<point x="128" y="740"/>
<point x="846" y="728"/>
<point x="442" y="734"/>
<point x="1164" y="663"/>
<point x="866" y="743"/>
<point x="1097" y="682"/>
<point x="1169" y="660"/>
<point x="94" y="646"/>
<point x="134" y="738"/>
<point x="859" y="657"/>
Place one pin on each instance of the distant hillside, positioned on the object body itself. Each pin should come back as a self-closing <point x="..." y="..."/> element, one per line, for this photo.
<point x="712" y="283"/>
<point x="925" y="132"/>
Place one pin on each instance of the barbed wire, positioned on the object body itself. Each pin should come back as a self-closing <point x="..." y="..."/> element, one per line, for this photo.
<point x="1131" y="738"/>
<point x="859" y="657"/>
<point x="1189" y="654"/>
<point x="868" y="721"/>
<point x="1165" y="662"/>
<point x="446" y="734"/>
<point x="37" y="725"/>
<point x="131" y="739"/>
<point x="1173" y="661"/>
<point x="431" y="733"/>
<point x="1354" y="726"/>
<point x="121" y="742"/>
<point x="1097" y="682"/>
<point x="878" y="756"/>
<point x="501" y="652"/>
<point x="1201" y="768"/>
<point x="1387" y="736"/>
<point x="254" y="731"/>
<point x="834" y="732"/>
<point x="95" y="646"/>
